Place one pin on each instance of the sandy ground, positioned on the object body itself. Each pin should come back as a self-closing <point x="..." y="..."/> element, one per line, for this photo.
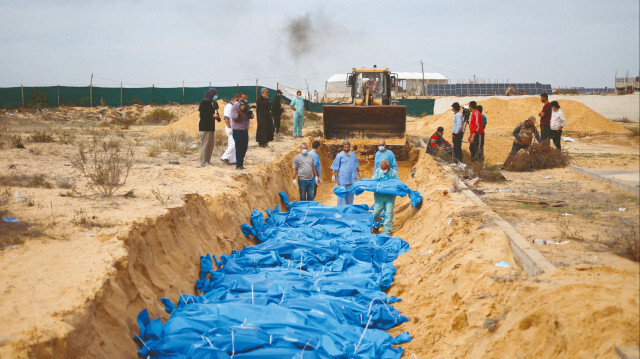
<point x="79" y="268"/>
<point x="610" y="106"/>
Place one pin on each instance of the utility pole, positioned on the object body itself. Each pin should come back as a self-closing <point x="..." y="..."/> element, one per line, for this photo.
<point x="91" y="91"/>
<point x="424" y="91"/>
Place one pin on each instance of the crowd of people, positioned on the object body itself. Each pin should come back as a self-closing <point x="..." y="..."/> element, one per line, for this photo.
<point x="551" y="117"/>
<point x="237" y="114"/>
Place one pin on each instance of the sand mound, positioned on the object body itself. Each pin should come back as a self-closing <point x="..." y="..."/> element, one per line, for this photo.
<point x="188" y="123"/>
<point x="504" y="115"/>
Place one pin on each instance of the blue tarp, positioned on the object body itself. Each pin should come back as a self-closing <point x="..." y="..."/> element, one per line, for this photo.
<point x="312" y="287"/>
<point x="393" y="186"/>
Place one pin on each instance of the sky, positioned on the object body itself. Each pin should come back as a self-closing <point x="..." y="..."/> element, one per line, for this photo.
<point x="299" y="43"/>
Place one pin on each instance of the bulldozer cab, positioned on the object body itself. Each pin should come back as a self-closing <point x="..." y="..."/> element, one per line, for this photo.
<point x="371" y="114"/>
<point x="370" y="87"/>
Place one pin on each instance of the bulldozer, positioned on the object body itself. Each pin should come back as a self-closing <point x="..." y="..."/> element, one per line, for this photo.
<point x="372" y="113"/>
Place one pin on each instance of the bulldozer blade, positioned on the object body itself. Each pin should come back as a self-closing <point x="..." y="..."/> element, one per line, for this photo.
<point x="364" y="121"/>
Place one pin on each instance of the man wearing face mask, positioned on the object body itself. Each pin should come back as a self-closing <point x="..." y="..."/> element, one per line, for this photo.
<point x="346" y="166"/>
<point x="297" y="105"/>
<point x="382" y="154"/>
<point x="384" y="202"/>
<point x="304" y="173"/>
<point x="207" y="125"/>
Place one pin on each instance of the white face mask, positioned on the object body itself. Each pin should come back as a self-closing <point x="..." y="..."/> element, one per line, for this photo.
<point x="381" y="148"/>
<point x="305" y="151"/>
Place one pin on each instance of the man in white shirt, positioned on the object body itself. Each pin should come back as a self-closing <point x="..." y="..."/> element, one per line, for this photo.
<point x="229" y="155"/>
<point x="457" y="132"/>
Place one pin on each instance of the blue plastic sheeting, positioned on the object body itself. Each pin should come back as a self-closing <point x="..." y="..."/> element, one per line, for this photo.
<point x="312" y="288"/>
<point x="393" y="186"/>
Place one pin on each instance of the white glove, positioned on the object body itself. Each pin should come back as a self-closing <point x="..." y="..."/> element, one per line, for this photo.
<point x="318" y="181"/>
<point x="295" y="182"/>
<point x="333" y="178"/>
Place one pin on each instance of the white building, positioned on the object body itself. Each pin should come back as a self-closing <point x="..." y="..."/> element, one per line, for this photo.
<point x="409" y="84"/>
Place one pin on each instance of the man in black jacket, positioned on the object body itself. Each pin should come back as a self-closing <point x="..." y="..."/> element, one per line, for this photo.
<point x="264" y="131"/>
<point x="207" y="125"/>
<point x="276" y="111"/>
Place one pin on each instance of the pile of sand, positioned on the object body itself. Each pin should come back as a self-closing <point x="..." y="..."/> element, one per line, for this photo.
<point x="504" y="115"/>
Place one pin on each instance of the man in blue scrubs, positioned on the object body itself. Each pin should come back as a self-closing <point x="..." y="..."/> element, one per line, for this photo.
<point x="384" y="153"/>
<point x="346" y="167"/>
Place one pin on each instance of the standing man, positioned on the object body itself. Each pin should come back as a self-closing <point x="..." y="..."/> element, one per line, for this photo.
<point x="384" y="202"/>
<point x="207" y="125"/>
<point x="304" y="172"/>
<point x="229" y="155"/>
<point x="484" y="127"/>
<point x="477" y="131"/>
<point x="276" y="112"/>
<point x="297" y="105"/>
<point x="264" y="131"/>
<point x="545" y="119"/>
<point x="316" y="161"/>
<point x="558" y="121"/>
<point x="523" y="134"/>
<point x="457" y="132"/>
<point x="240" y="116"/>
<point x="346" y="166"/>
<point x="384" y="153"/>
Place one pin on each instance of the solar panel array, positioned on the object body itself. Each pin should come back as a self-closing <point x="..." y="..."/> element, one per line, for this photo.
<point x="591" y="91"/>
<point x="485" y="89"/>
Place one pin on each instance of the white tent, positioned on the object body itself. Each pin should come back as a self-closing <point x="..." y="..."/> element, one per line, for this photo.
<point x="336" y="86"/>
<point x="411" y="83"/>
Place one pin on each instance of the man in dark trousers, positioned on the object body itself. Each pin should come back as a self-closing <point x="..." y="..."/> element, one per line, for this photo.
<point x="438" y="143"/>
<point x="264" y="131"/>
<point x="457" y="132"/>
<point x="476" y="138"/>
<point x="545" y="119"/>
<point x="523" y="134"/>
<point x="276" y="111"/>
<point x="207" y="125"/>
<point x="240" y="116"/>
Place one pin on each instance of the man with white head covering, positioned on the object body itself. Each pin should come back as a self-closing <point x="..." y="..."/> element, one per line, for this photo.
<point x="264" y="131"/>
<point x="347" y="169"/>
<point x="229" y="156"/>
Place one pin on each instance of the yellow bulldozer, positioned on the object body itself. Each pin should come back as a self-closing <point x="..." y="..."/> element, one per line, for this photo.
<point x="371" y="113"/>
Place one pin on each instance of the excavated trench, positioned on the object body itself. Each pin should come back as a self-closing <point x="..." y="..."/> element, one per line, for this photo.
<point x="459" y="303"/>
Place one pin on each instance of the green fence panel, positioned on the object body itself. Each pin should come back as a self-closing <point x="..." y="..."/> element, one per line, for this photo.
<point x="10" y="97"/>
<point x="107" y="96"/>
<point x="418" y="107"/>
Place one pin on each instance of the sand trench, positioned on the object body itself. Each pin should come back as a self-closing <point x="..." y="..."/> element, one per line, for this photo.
<point x="460" y="304"/>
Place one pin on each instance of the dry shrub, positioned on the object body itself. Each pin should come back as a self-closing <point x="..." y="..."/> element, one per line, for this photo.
<point x="315" y="133"/>
<point x="154" y="150"/>
<point x="123" y="122"/>
<point x="159" y="116"/>
<point x="177" y="141"/>
<point x="538" y="156"/>
<point x="220" y="139"/>
<point x="312" y="117"/>
<point x="66" y="137"/>
<point x="486" y="172"/>
<point x="23" y="180"/>
<point x="286" y="126"/>
<point x="65" y="183"/>
<point x="81" y="218"/>
<point x="41" y="137"/>
<point x="104" y="165"/>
